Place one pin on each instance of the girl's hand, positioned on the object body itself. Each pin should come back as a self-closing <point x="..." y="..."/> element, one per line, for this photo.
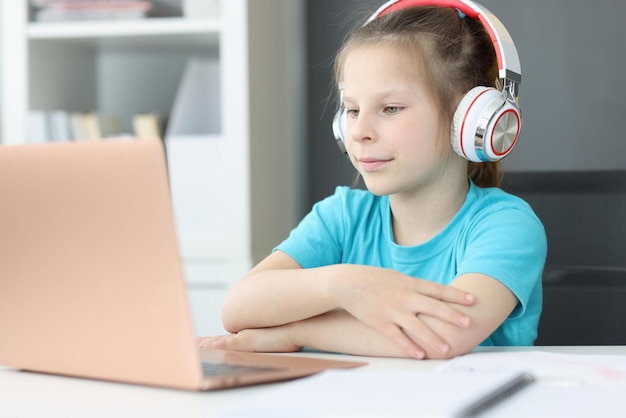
<point x="391" y="303"/>
<point x="274" y="340"/>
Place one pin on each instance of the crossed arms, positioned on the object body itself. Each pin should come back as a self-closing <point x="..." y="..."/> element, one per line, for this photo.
<point x="279" y="306"/>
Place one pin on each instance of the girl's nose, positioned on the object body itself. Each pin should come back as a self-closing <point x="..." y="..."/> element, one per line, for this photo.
<point x="360" y="129"/>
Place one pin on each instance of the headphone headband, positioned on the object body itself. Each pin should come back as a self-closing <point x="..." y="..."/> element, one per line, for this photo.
<point x="508" y="60"/>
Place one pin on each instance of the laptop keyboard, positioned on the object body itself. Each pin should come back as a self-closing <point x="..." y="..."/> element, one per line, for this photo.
<point x="222" y="369"/>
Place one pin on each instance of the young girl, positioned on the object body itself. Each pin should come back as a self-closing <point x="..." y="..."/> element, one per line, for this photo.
<point x="433" y="259"/>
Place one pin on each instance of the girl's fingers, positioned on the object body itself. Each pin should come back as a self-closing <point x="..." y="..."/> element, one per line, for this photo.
<point x="438" y="309"/>
<point x="421" y="334"/>
<point x="401" y="340"/>
<point x="442" y="292"/>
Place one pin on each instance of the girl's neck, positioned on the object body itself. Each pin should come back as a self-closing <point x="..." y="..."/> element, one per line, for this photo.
<point x="420" y="215"/>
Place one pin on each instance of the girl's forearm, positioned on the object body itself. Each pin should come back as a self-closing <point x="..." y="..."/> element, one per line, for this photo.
<point x="338" y="331"/>
<point x="275" y="297"/>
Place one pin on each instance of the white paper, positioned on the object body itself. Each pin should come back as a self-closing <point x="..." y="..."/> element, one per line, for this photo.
<point x="568" y="385"/>
<point x="549" y="368"/>
<point x="366" y="394"/>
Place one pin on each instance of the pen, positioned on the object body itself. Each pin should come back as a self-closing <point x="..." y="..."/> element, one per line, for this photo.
<point x="498" y="395"/>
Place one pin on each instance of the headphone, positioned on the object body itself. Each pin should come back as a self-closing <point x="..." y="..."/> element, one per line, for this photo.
<point x="487" y="121"/>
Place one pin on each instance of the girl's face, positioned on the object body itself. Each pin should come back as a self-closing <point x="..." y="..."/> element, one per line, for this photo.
<point x="394" y="135"/>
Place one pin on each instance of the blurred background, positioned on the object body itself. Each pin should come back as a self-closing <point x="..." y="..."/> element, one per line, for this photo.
<point x="242" y="93"/>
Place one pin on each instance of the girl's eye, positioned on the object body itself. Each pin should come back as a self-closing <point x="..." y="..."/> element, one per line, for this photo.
<point x="352" y="112"/>
<point x="392" y="109"/>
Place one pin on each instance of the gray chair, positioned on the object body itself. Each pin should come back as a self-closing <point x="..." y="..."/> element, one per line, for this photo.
<point x="583" y="306"/>
<point x="584" y="283"/>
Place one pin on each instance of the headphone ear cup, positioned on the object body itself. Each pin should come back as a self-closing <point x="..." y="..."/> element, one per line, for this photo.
<point x="485" y="125"/>
<point x="339" y="129"/>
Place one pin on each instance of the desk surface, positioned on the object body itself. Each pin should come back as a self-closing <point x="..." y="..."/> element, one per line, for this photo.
<point x="25" y="394"/>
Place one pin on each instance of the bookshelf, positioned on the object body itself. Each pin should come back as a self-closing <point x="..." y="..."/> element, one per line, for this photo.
<point x="236" y="193"/>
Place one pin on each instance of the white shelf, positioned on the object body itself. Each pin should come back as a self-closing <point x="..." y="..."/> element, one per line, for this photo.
<point x="123" y="28"/>
<point x="157" y="32"/>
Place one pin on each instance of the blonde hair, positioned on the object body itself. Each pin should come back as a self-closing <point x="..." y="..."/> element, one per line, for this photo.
<point x="454" y="54"/>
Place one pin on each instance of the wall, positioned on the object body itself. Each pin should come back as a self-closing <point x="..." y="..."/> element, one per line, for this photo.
<point x="573" y="55"/>
<point x="573" y="59"/>
<point x="328" y="22"/>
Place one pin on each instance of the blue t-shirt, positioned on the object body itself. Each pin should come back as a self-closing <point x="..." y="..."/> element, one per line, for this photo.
<point x="494" y="233"/>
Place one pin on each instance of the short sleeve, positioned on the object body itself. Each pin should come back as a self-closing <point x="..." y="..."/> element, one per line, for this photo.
<point x="508" y="243"/>
<point x="318" y="238"/>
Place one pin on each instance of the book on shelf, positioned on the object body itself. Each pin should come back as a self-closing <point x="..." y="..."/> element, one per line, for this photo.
<point x="51" y="126"/>
<point x="38" y="131"/>
<point x="61" y="125"/>
<point x="86" y="127"/>
<point x="110" y="125"/>
<point x="148" y="126"/>
<point x="68" y="10"/>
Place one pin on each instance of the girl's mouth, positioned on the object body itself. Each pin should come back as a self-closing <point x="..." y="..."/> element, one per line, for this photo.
<point x="372" y="164"/>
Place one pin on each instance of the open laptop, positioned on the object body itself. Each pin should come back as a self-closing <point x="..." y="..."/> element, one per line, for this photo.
<point x="91" y="280"/>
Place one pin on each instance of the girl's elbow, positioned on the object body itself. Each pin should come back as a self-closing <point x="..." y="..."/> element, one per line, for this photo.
<point x="230" y="327"/>
<point x="230" y="321"/>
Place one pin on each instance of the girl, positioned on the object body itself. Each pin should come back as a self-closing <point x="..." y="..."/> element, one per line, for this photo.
<point x="433" y="259"/>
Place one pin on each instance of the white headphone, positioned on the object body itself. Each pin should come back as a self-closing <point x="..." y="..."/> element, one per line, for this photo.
<point x="487" y="121"/>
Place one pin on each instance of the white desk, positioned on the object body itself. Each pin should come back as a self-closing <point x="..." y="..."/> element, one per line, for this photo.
<point x="31" y="395"/>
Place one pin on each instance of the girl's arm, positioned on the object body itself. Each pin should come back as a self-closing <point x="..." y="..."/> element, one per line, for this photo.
<point x="339" y="331"/>
<point x="334" y="331"/>
<point x="278" y="292"/>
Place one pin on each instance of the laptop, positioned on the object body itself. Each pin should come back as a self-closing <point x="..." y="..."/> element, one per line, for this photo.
<point x="91" y="279"/>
